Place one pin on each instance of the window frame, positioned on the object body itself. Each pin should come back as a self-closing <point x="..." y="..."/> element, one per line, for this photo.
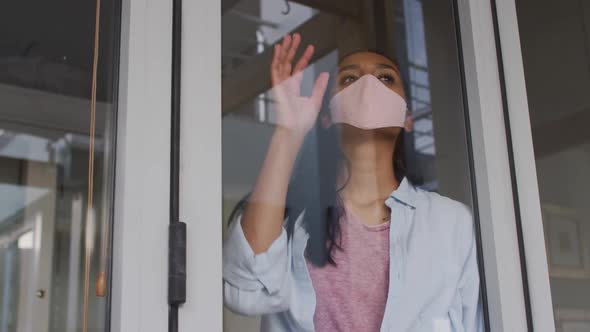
<point x="498" y="231"/>
<point x="524" y="167"/>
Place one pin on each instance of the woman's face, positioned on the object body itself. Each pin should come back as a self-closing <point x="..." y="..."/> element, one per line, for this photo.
<point x="358" y="64"/>
<point x="353" y="67"/>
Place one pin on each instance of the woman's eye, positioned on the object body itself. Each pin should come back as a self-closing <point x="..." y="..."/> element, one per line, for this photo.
<point x="387" y="79"/>
<point x="347" y="80"/>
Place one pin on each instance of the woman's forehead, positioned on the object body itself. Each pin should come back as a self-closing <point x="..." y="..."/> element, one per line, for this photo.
<point x="365" y="58"/>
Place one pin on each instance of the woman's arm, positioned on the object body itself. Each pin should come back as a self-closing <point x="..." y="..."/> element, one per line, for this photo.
<point x="263" y="217"/>
<point x="255" y="284"/>
<point x="256" y="254"/>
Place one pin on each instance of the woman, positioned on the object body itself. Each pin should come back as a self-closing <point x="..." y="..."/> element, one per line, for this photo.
<point x="350" y="245"/>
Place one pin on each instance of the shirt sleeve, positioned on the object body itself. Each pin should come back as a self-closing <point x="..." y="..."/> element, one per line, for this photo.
<point x="255" y="283"/>
<point x="469" y="288"/>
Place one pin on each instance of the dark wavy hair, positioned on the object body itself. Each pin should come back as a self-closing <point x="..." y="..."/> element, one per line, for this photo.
<point x="313" y="185"/>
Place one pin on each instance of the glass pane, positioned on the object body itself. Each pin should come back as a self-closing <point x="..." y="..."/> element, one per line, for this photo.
<point x="334" y="179"/>
<point x="555" y="39"/>
<point x="54" y="240"/>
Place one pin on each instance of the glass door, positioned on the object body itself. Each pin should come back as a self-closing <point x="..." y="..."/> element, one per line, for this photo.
<point x="423" y="50"/>
<point x="455" y="143"/>
<point x="58" y="106"/>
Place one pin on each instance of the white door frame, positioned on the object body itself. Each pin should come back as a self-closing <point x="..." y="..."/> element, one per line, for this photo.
<point x="200" y="164"/>
<point x="142" y="173"/>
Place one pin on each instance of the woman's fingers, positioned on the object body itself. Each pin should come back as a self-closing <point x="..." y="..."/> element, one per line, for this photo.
<point x="285" y="45"/>
<point x="283" y="55"/>
<point x="319" y="89"/>
<point x="304" y="60"/>
<point x="275" y="76"/>
<point x="293" y="49"/>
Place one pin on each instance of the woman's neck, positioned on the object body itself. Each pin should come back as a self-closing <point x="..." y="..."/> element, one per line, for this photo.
<point x="369" y="175"/>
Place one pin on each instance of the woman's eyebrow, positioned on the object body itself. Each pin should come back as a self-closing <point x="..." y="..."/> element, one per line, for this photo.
<point x="348" y="67"/>
<point x="385" y="65"/>
<point x="379" y="65"/>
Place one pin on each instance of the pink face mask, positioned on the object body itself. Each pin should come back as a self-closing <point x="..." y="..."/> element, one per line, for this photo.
<point x="368" y="104"/>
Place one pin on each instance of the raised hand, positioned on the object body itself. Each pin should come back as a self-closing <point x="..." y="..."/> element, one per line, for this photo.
<point x="295" y="112"/>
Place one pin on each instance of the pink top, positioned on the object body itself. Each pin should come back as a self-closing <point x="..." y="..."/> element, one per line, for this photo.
<point x="351" y="296"/>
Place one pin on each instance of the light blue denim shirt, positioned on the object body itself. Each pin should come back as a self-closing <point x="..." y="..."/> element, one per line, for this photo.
<point x="433" y="274"/>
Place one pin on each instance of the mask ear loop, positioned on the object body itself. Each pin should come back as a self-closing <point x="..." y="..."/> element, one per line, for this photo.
<point x="325" y="121"/>
<point x="409" y="121"/>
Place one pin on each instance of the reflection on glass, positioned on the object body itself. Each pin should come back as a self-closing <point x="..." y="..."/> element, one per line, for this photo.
<point x="336" y="132"/>
<point x="555" y="39"/>
<point x="45" y="101"/>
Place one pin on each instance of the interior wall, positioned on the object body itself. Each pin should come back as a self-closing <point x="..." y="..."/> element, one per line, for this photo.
<point x="555" y="40"/>
<point x="568" y="190"/>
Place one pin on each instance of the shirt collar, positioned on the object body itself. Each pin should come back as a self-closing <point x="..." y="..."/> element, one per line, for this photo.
<point x="405" y="193"/>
